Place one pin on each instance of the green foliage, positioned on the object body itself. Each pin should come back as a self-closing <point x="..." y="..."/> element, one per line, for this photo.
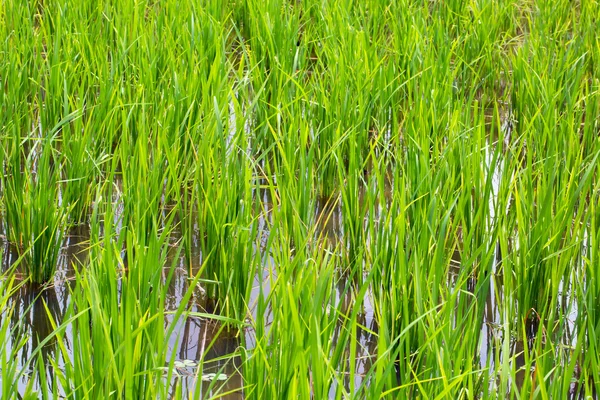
<point x="375" y="199"/>
<point x="35" y="219"/>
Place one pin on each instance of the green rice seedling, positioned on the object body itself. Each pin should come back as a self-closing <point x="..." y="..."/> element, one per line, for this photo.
<point x="273" y="50"/>
<point x="310" y="360"/>
<point x="349" y="93"/>
<point x="35" y="219"/>
<point x="410" y="249"/>
<point x="354" y="213"/>
<point x="143" y="185"/>
<point x="119" y="336"/>
<point x="130" y="360"/>
<point x="122" y="322"/>
<point x="226" y="228"/>
<point x="549" y="227"/>
<point x="80" y="168"/>
<point x="193" y="94"/>
<point x="290" y="174"/>
<point x="589" y="315"/>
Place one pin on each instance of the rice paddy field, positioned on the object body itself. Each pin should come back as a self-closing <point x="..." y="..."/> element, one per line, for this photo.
<point x="305" y="199"/>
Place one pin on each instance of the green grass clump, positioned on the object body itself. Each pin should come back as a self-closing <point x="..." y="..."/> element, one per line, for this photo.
<point x="369" y="199"/>
<point x="35" y="219"/>
<point x="119" y="340"/>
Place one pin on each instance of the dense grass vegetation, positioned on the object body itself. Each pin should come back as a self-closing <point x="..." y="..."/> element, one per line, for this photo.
<point x="367" y="199"/>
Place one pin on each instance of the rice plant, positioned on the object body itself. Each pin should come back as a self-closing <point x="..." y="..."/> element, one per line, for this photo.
<point x="35" y="218"/>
